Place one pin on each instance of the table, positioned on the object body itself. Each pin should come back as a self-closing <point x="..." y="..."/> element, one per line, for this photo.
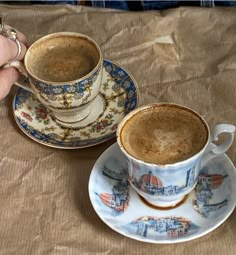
<point x="183" y="55"/>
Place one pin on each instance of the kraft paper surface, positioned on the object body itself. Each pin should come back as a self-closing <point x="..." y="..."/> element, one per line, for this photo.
<point x="183" y="55"/>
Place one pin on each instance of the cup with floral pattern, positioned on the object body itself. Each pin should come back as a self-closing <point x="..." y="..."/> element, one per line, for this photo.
<point x="69" y="99"/>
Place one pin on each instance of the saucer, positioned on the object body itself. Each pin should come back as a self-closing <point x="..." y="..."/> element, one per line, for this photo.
<point x="202" y="211"/>
<point x="117" y="97"/>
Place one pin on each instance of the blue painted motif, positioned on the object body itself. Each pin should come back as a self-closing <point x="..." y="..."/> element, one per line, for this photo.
<point x="79" y="87"/>
<point x="123" y="80"/>
<point x="153" y="185"/>
<point x="152" y="227"/>
<point x="118" y="198"/>
<point x="22" y="96"/>
<point x="204" y="193"/>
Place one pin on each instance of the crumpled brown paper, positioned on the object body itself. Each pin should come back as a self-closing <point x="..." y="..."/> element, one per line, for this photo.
<point x="184" y="55"/>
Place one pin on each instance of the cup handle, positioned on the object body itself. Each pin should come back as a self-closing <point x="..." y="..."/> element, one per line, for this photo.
<point x="23" y="83"/>
<point x="222" y="148"/>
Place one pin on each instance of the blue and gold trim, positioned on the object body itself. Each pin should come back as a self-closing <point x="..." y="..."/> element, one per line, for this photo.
<point x="119" y="92"/>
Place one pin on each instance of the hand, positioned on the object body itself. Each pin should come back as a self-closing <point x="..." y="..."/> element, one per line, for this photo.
<point x="8" y="49"/>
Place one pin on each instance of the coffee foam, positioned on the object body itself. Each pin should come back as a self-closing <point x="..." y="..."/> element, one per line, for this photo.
<point x="164" y="134"/>
<point x="62" y="58"/>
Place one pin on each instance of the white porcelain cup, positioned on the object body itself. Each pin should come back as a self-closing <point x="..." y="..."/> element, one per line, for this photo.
<point x="166" y="185"/>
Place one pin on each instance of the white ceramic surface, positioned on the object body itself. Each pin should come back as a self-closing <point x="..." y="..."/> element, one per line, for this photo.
<point x="166" y="184"/>
<point x="202" y="211"/>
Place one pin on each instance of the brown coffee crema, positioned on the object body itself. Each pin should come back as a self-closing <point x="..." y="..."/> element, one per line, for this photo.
<point x="164" y="134"/>
<point x="63" y="58"/>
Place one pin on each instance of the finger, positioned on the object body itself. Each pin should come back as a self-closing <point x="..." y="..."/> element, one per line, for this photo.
<point x="21" y="37"/>
<point x="9" y="50"/>
<point x="8" y="76"/>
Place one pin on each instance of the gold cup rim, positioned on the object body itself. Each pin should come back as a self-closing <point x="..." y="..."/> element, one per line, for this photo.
<point x="40" y="40"/>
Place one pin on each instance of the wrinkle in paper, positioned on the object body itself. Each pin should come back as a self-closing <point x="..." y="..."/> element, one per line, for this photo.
<point x="183" y="55"/>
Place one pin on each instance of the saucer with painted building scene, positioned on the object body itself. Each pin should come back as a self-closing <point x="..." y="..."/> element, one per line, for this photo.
<point x="203" y="210"/>
<point x="117" y="97"/>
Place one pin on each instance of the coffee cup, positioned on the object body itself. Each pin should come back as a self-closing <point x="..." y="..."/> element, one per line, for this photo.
<point x="65" y="73"/>
<point x="166" y="145"/>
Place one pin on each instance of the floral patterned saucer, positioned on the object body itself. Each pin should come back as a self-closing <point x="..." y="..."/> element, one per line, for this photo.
<point x="202" y="211"/>
<point x="118" y="96"/>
